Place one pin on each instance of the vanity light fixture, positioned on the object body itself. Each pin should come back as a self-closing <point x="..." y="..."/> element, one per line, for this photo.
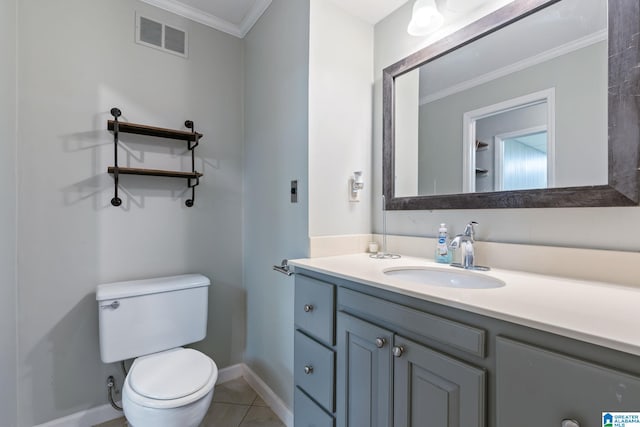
<point x="356" y="183"/>
<point x="425" y="19"/>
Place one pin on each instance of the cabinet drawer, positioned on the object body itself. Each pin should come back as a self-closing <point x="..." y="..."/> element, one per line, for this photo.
<point x="314" y="370"/>
<point x="315" y="308"/>
<point x="308" y="414"/>
<point x="454" y="334"/>
<point x="537" y="387"/>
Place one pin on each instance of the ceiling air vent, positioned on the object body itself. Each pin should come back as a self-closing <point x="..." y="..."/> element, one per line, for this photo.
<point x="161" y="36"/>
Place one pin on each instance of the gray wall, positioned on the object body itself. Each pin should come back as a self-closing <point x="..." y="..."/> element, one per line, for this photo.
<point x="276" y="152"/>
<point x="570" y="227"/>
<point x="77" y="59"/>
<point x="8" y="363"/>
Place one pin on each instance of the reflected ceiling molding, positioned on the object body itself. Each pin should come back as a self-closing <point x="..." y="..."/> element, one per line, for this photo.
<point x="518" y="66"/>
<point x="213" y="21"/>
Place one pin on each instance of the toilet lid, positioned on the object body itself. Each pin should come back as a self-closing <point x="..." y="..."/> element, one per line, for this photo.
<point x="171" y="374"/>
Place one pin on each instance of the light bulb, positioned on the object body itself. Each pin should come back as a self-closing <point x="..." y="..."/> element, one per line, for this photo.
<point x="425" y="18"/>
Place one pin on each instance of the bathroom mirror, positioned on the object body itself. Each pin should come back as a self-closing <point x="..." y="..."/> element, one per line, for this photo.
<point x="534" y="105"/>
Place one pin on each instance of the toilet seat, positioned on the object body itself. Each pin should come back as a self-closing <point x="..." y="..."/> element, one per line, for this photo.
<point x="171" y="378"/>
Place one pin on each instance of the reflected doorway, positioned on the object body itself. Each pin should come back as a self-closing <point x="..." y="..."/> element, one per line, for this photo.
<point x="510" y="145"/>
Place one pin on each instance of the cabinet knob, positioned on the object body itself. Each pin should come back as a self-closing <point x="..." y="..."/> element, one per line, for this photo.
<point x="308" y="308"/>
<point x="308" y="370"/>
<point x="570" y="423"/>
<point x="380" y="342"/>
<point x="398" y="350"/>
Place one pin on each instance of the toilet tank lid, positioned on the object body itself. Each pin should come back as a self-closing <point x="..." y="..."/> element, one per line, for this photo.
<point x="131" y="288"/>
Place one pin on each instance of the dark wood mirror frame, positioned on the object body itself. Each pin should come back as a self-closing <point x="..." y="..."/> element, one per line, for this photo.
<point x="623" y="110"/>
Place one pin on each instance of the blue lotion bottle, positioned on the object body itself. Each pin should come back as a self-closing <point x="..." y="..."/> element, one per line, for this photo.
<point x="443" y="253"/>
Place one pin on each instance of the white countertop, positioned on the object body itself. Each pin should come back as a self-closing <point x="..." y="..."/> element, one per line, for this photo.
<point x="595" y="312"/>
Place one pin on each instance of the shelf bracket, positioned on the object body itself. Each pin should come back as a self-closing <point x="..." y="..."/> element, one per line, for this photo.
<point x="190" y="125"/>
<point x="115" y="112"/>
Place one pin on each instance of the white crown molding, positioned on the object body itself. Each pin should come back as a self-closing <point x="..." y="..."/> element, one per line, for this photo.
<point x="210" y="20"/>
<point x="250" y="19"/>
<point x="574" y="45"/>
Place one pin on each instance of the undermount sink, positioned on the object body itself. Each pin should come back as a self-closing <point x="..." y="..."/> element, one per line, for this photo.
<point x="444" y="277"/>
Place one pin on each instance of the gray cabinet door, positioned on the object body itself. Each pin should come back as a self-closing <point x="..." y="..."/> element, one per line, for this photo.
<point x="435" y="390"/>
<point x="364" y="374"/>
<point x="538" y="387"/>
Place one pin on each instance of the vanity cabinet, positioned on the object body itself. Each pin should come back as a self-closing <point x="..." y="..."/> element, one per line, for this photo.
<point x="386" y="379"/>
<point x="384" y="359"/>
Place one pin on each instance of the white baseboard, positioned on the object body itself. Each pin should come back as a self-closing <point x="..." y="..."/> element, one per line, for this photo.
<point x="106" y="413"/>
<point x="87" y="418"/>
<point x="270" y="398"/>
<point x="230" y="373"/>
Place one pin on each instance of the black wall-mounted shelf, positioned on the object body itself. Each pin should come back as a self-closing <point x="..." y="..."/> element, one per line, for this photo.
<point x="154" y="131"/>
<point x="191" y="137"/>
<point x="154" y="172"/>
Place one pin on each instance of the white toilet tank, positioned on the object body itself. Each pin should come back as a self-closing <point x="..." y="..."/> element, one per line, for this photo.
<point x="141" y="317"/>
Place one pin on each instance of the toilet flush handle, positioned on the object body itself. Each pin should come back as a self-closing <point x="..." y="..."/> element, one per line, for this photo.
<point x="114" y="305"/>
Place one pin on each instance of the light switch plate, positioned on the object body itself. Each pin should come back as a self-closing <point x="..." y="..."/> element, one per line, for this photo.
<point x="294" y="191"/>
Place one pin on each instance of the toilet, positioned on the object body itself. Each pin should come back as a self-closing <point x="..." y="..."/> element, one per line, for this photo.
<point x="150" y="320"/>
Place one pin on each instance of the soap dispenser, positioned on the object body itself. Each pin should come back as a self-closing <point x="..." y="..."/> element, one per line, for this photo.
<point x="442" y="252"/>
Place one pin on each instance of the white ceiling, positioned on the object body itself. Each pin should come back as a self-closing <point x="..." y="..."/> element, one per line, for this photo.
<point x="236" y="17"/>
<point x="371" y="11"/>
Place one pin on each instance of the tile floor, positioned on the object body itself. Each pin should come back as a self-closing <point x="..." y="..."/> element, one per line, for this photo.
<point x="235" y="404"/>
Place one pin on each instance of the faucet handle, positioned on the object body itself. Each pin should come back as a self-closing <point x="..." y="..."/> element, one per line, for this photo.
<point x="455" y="242"/>
<point x="469" y="230"/>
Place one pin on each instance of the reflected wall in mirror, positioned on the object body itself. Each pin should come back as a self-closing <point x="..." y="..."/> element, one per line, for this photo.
<point x="515" y="108"/>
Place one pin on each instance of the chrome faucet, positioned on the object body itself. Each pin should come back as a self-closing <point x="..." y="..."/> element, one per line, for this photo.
<point x="464" y="242"/>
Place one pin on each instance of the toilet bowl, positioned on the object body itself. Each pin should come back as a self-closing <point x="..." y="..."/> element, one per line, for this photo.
<point x="172" y="388"/>
<point x="150" y="320"/>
